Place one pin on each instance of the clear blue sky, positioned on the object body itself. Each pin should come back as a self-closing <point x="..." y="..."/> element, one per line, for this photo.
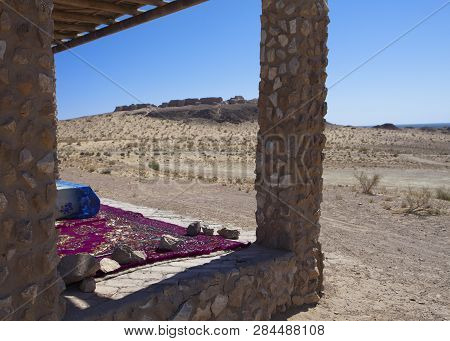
<point x="213" y="50"/>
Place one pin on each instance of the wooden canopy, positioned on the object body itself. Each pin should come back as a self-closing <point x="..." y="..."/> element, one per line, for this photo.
<point x="80" y="21"/>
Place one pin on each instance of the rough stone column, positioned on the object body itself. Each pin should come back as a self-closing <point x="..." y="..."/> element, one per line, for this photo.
<point x="290" y="141"/>
<point x="29" y="284"/>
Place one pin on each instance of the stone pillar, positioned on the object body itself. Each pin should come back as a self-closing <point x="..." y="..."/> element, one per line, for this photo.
<point x="29" y="283"/>
<point x="291" y="140"/>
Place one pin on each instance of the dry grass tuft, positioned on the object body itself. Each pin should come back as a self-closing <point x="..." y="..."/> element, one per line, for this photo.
<point x="419" y="202"/>
<point x="367" y="183"/>
<point x="443" y="194"/>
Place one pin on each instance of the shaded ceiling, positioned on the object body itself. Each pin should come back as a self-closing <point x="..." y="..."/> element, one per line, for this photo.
<point x="78" y="22"/>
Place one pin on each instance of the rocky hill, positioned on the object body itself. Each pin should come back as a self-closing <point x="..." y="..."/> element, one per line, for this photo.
<point x="235" y="110"/>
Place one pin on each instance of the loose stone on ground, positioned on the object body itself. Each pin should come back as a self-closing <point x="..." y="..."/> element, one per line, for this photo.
<point x="108" y="265"/>
<point x="169" y="243"/>
<point x="75" y="268"/>
<point x="229" y="233"/>
<point x="194" y="229"/>
<point x="124" y="254"/>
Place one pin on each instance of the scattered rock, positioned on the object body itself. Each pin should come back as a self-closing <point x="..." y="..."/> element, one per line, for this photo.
<point x="124" y="254"/>
<point x="168" y="243"/>
<point x="88" y="285"/>
<point x="209" y="231"/>
<point x="105" y="171"/>
<point x="108" y="265"/>
<point x="194" y="229"/>
<point x="229" y="233"/>
<point x="75" y="268"/>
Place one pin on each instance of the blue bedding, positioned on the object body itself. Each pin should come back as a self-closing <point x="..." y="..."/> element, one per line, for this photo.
<point x="75" y="201"/>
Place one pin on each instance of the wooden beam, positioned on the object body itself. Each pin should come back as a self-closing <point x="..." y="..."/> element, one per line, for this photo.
<point x="150" y="15"/>
<point x="85" y="18"/>
<point x="59" y="35"/>
<point x="156" y="3"/>
<point x="60" y="26"/>
<point x="99" y="5"/>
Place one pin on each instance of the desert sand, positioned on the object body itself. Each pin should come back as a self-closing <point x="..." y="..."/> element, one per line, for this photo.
<point x="202" y="167"/>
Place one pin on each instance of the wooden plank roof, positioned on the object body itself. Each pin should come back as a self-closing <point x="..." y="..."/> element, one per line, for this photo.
<point x="80" y="21"/>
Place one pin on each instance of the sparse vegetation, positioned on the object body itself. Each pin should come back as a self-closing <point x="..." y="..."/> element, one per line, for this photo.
<point x="227" y="151"/>
<point x="386" y="206"/>
<point x="105" y="171"/>
<point x="419" y="202"/>
<point x="443" y="194"/>
<point x="367" y="183"/>
<point x="154" y="165"/>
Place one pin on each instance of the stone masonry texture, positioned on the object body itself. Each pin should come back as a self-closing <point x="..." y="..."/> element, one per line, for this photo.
<point x="30" y="287"/>
<point x="250" y="284"/>
<point x="291" y="140"/>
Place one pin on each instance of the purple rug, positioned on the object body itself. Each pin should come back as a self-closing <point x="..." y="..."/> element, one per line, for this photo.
<point x="98" y="236"/>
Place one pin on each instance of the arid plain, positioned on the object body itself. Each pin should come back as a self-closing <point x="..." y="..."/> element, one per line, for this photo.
<point x="396" y="254"/>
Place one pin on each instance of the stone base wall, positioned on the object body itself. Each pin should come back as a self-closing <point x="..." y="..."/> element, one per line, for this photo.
<point x="29" y="284"/>
<point x="250" y="284"/>
<point x="252" y="292"/>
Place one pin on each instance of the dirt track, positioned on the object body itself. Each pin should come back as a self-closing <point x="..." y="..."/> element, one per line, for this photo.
<point x="379" y="265"/>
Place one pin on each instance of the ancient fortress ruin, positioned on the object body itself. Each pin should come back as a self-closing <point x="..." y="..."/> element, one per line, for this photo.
<point x="283" y="268"/>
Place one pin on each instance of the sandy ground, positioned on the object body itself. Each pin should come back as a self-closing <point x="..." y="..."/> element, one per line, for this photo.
<point x="380" y="264"/>
<point x="130" y="143"/>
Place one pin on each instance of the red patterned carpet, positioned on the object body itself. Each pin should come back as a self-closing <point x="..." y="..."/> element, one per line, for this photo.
<point x="99" y="235"/>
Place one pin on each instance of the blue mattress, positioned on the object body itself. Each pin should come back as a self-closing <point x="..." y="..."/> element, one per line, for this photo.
<point x="75" y="201"/>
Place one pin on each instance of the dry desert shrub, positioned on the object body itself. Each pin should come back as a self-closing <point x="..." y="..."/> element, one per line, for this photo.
<point x="419" y="202"/>
<point x="367" y="183"/>
<point x="443" y="194"/>
<point x="154" y="165"/>
<point x="386" y="206"/>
